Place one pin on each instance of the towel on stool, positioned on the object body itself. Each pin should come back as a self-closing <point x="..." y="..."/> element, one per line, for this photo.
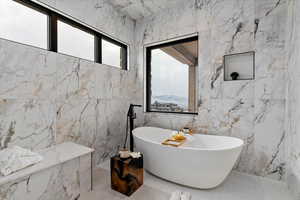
<point x="186" y="196"/>
<point x="177" y="195"/>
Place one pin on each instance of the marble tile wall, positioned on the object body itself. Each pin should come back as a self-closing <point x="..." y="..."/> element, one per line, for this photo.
<point x="252" y="110"/>
<point x="48" y="98"/>
<point x="65" y="181"/>
<point x="293" y="98"/>
<point x="141" y="9"/>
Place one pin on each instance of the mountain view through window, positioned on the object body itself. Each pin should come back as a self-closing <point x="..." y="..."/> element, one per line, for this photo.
<point x="173" y="72"/>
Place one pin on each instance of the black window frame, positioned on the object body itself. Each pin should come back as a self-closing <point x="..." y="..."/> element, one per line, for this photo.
<point x="76" y="26"/>
<point x="124" y="50"/>
<point x="148" y="72"/>
<point x="53" y="18"/>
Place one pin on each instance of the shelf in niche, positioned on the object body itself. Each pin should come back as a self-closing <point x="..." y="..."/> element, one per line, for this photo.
<point x="241" y="63"/>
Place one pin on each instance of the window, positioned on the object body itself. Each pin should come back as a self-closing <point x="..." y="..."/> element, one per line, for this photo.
<point x="23" y="24"/>
<point x="30" y="23"/>
<point x="75" y="42"/>
<point x="171" y="76"/>
<point x="111" y="54"/>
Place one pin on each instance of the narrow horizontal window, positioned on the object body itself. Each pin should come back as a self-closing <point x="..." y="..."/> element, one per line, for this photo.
<point x="23" y="24"/>
<point x="75" y="42"/>
<point x="113" y="54"/>
<point x="171" y="76"/>
<point x="31" y="23"/>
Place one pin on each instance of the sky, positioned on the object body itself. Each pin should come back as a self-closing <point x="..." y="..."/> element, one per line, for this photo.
<point x="111" y="53"/>
<point x="73" y="41"/>
<point x="169" y="76"/>
<point x="17" y="22"/>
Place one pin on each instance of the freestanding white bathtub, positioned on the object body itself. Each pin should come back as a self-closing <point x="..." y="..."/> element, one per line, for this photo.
<point x="203" y="161"/>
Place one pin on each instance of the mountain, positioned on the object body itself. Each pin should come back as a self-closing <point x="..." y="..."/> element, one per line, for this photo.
<point x="182" y="101"/>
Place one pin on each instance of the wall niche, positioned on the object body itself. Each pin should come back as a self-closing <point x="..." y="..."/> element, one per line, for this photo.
<point x="239" y="66"/>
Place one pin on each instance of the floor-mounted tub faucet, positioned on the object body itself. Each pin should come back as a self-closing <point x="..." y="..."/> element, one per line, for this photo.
<point x="131" y="115"/>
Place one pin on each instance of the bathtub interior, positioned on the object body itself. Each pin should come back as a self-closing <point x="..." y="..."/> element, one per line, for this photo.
<point x="197" y="141"/>
<point x="152" y="134"/>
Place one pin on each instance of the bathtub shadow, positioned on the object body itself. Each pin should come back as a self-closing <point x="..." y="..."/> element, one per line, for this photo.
<point x="220" y="186"/>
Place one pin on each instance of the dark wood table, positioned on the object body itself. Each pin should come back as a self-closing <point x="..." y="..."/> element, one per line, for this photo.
<point x="126" y="174"/>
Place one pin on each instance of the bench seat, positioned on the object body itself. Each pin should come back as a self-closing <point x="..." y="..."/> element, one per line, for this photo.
<point x="64" y="173"/>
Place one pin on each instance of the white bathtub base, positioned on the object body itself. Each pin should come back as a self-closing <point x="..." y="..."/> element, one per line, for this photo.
<point x="203" y="162"/>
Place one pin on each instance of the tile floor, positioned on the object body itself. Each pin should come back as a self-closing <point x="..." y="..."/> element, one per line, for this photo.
<point x="238" y="186"/>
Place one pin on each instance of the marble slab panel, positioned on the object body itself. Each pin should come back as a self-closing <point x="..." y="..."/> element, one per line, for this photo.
<point x="234" y="107"/>
<point x="53" y="156"/>
<point x="26" y="72"/>
<point x="49" y="98"/>
<point x="28" y="123"/>
<point x="17" y="158"/>
<point x="59" y="182"/>
<point x="64" y="174"/>
<point x="293" y="99"/>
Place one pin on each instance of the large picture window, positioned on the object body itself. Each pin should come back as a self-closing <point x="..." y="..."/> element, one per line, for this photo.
<point x="30" y="23"/>
<point x="171" y="76"/>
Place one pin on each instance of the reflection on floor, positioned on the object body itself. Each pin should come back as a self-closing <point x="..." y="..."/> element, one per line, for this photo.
<point x="238" y="186"/>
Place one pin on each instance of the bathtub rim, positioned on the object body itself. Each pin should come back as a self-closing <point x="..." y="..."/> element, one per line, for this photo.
<point x="241" y="143"/>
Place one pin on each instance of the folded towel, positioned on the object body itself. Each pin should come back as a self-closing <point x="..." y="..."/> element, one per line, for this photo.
<point x="186" y="196"/>
<point x="16" y="158"/>
<point x="177" y="195"/>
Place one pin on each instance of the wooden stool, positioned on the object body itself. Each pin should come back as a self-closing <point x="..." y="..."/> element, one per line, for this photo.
<point x="126" y="174"/>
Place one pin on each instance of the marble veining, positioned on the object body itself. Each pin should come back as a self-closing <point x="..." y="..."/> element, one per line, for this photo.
<point x="142" y="8"/>
<point x="17" y="158"/>
<point x="64" y="174"/>
<point x="292" y="113"/>
<point x="28" y="123"/>
<point x="59" y="182"/>
<point x="52" y="156"/>
<point x="48" y="98"/>
<point x="251" y="110"/>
